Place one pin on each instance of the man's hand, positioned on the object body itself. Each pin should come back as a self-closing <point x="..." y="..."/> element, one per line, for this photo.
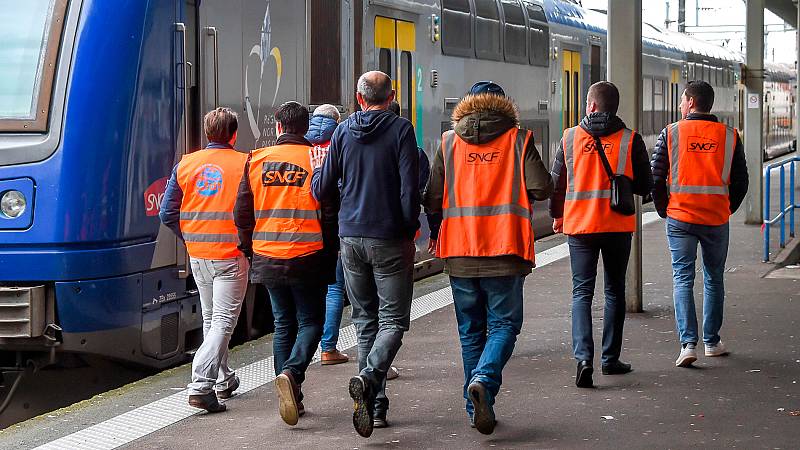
<point x="317" y="156"/>
<point x="432" y="246"/>
<point x="558" y="225"/>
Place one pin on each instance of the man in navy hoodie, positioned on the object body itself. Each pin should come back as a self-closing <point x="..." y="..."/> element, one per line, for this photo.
<point x="373" y="154"/>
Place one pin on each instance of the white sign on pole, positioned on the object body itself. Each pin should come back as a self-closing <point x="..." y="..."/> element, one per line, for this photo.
<point x="753" y="101"/>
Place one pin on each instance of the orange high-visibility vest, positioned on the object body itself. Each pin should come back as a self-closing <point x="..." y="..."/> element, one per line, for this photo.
<point x="700" y="157"/>
<point x="587" y="207"/>
<point x="486" y="211"/>
<point x="210" y="180"/>
<point x="288" y="217"/>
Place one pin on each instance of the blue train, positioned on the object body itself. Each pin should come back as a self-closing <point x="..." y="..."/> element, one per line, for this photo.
<point x="100" y="98"/>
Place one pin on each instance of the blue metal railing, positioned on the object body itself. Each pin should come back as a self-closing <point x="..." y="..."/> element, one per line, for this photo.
<point x="785" y="207"/>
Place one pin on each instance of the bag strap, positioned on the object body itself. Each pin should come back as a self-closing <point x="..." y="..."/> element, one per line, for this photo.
<point x="604" y="158"/>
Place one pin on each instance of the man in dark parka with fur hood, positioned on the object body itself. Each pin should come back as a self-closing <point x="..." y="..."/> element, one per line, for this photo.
<point x="487" y="263"/>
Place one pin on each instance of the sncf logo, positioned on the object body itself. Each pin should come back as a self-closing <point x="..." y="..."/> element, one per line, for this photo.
<point x="702" y="145"/>
<point x="591" y="147"/>
<point x="282" y="174"/>
<point x="483" y="157"/>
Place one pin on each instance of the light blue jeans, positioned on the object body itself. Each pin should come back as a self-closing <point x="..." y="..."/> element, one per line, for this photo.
<point x="222" y="285"/>
<point x="683" y="239"/>
<point x="334" y="305"/>
<point x="489" y="316"/>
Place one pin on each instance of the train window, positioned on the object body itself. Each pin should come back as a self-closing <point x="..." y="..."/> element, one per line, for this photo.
<point x="594" y="75"/>
<point x="326" y="52"/>
<point x="407" y="76"/>
<point x="385" y="61"/>
<point x="659" y="103"/>
<point x="33" y="33"/>
<point x="515" y="33"/>
<point x="539" y="35"/>
<point x="457" y="28"/>
<point x="720" y="77"/>
<point x="692" y="71"/>
<point x="487" y="30"/>
<point x="647" y="105"/>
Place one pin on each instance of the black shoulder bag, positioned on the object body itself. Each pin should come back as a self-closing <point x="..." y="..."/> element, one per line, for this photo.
<point x="621" y="186"/>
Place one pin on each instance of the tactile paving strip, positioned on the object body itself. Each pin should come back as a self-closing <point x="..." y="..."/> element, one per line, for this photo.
<point x="140" y="422"/>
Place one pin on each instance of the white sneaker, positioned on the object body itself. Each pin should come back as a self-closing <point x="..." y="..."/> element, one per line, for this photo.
<point x="687" y="357"/>
<point x="716" y="349"/>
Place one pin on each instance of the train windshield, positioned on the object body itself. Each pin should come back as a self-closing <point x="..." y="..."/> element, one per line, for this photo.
<point x="30" y="34"/>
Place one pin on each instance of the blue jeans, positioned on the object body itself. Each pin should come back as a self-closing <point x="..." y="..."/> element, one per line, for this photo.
<point x="334" y="304"/>
<point x="489" y="315"/>
<point x="299" y="312"/>
<point x="683" y="239"/>
<point x="379" y="275"/>
<point x="584" y="253"/>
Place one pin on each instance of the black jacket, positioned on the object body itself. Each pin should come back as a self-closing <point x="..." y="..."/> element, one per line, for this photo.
<point x="318" y="267"/>
<point x="598" y="125"/>
<point x="660" y="166"/>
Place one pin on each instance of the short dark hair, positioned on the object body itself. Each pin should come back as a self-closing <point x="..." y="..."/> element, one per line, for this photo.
<point x="605" y="95"/>
<point x="293" y="117"/>
<point x="375" y="87"/>
<point x="394" y="107"/>
<point x="220" y="124"/>
<point x="702" y="93"/>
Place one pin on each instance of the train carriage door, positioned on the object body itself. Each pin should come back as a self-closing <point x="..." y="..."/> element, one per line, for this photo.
<point x="395" y="43"/>
<point x="570" y="88"/>
<point x="674" y="96"/>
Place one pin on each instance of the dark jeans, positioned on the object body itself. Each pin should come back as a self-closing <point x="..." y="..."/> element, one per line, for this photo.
<point x="489" y="315"/>
<point x="584" y="251"/>
<point x="299" y="312"/>
<point x="379" y="278"/>
<point x="334" y="304"/>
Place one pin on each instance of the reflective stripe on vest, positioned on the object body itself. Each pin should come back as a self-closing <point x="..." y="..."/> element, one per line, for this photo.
<point x="210" y="180"/>
<point x="699" y="172"/>
<point x="587" y="208"/>
<point x="500" y="209"/>
<point x="288" y="217"/>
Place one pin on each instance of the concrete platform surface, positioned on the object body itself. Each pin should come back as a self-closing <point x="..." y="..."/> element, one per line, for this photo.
<point x="744" y="400"/>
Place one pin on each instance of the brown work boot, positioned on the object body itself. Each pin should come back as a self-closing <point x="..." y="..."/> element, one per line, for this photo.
<point x="286" y="389"/>
<point x="334" y="357"/>
<point x="208" y="402"/>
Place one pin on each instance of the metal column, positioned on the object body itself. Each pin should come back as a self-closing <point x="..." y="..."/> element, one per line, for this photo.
<point x="625" y="71"/>
<point x="754" y="107"/>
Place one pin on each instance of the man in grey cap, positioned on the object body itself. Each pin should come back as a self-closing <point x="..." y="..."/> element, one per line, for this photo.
<point x="486" y="274"/>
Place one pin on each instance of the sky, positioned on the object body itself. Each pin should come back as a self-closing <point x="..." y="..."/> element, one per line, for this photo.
<point x="721" y="22"/>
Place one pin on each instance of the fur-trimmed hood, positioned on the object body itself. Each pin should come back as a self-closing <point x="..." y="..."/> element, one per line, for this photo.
<point x="481" y="118"/>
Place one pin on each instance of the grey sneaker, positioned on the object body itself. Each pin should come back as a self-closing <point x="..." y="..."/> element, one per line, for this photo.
<point x="717" y="349"/>
<point x="687" y="357"/>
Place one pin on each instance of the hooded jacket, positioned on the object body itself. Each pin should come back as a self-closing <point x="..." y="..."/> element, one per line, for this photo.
<point x="320" y="129"/>
<point x="479" y="119"/>
<point x="373" y="155"/>
<point x="601" y="124"/>
<point x="318" y="267"/>
<point x="660" y="165"/>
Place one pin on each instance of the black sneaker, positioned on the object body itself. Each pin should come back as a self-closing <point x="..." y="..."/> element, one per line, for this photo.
<point x="363" y="414"/>
<point x="616" y="368"/>
<point x="379" y="421"/>
<point x="208" y="402"/>
<point x="583" y="377"/>
<point x="484" y="414"/>
<point x="228" y="393"/>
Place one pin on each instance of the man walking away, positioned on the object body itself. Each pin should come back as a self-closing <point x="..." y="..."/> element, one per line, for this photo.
<point x="484" y="179"/>
<point x="323" y="123"/>
<point x="581" y="208"/>
<point x="373" y="154"/>
<point x="701" y="178"/>
<point x="197" y="206"/>
<point x="292" y="238"/>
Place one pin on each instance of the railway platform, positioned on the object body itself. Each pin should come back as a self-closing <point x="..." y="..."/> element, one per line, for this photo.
<point x="748" y="400"/>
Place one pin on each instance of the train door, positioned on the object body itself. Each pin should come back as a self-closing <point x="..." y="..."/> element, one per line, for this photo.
<point x="674" y="96"/>
<point x="570" y="88"/>
<point x="395" y="42"/>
